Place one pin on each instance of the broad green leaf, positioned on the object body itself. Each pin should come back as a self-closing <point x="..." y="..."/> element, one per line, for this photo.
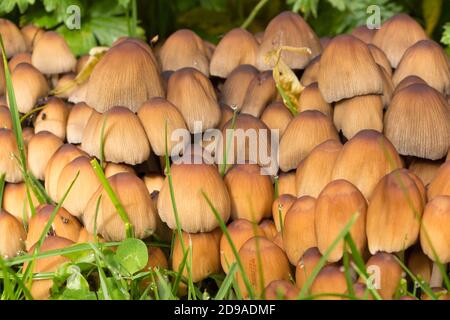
<point x="6" y="6"/>
<point x="79" y="41"/>
<point x="132" y="254"/>
<point x="431" y="12"/>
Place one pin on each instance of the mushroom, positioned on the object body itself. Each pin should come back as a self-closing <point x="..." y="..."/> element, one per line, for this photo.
<point x="12" y="38"/>
<point x="183" y="49"/>
<point x="65" y="154"/>
<point x="188" y="181"/>
<point x="385" y="274"/>
<point x="365" y="159"/>
<point x="335" y="206"/>
<point x="281" y="290"/>
<point x="396" y="35"/>
<point x="12" y="235"/>
<point x="155" y="115"/>
<point x="286" y="183"/>
<point x="236" y="85"/>
<point x="127" y="75"/>
<point x="269" y="229"/>
<point x="440" y="185"/>
<point x="277" y="116"/>
<point x="358" y="113"/>
<point x="19" y="58"/>
<point x="5" y="118"/>
<point x="311" y="72"/>
<point x="363" y="33"/>
<point x="298" y="233"/>
<point x="260" y="92"/>
<point x="53" y="118"/>
<point x="417" y="122"/>
<point x="136" y="201"/>
<point x="280" y="207"/>
<point x="394" y="213"/>
<point x="194" y="96"/>
<point x="52" y="56"/>
<point x="29" y="86"/>
<point x="251" y="193"/>
<point x="124" y="138"/>
<point x="305" y="266"/>
<point x="434" y="236"/>
<point x="16" y="201"/>
<point x="9" y="157"/>
<point x="112" y="168"/>
<point x="330" y="283"/>
<point x="348" y="69"/>
<point x="83" y="187"/>
<point x="425" y="169"/>
<point x="288" y="29"/>
<point x="314" y="172"/>
<point x="76" y="122"/>
<point x="311" y="99"/>
<point x="427" y="60"/>
<point x="307" y="130"/>
<point x="204" y="256"/>
<point x="263" y="262"/>
<point x="380" y="58"/>
<point x="41" y="148"/>
<point x="237" y="47"/>
<point x="40" y="288"/>
<point x="240" y="230"/>
<point x="64" y="225"/>
<point x="31" y="34"/>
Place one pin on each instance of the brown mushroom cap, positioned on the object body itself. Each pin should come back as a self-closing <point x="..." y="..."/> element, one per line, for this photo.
<point x="9" y="157"/>
<point x="427" y="60"/>
<point x="235" y="88"/>
<point x="240" y="230"/>
<point x="363" y="33"/>
<point x="273" y="262"/>
<point x="288" y="29"/>
<point x="440" y="185"/>
<point x="31" y="34"/>
<point x="335" y="206"/>
<point x="204" y="250"/>
<point x="194" y="96"/>
<point x="348" y="69"/>
<point x="417" y="122"/>
<point x="434" y="235"/>
<point x="330" y="280"/>
<point x="396" y="35"/>
<point x="307" y="130"/>
<point x="237" y="47"/>
<point x="155" y="114"/>
<point x="12" y="235"/>
<point x="251" y="193"/>
<point x="188" y="181"/>
<point x="365" y="159"/>
<point x="124" y="138"/>
<point x="127" y="75"/>
<point x="53" y="118"/>
<point x="277" y="116"/>
<point x="19" y="58"/>
<point x="51" y="54"/>
<point x="136" y="201"/>
<point x="12" y="38"/>
<point x="76" y="122"/>
<point x="311" y="99"/>
<point x="29" y="85"/>
<point x="183" y="49"/>
<point x="41" y="148"/>
<point x="393" y="217"/>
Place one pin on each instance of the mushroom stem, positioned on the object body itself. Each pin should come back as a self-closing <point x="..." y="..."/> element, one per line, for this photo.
<point x="436" y="276"/>
<point x="54" y="80"/>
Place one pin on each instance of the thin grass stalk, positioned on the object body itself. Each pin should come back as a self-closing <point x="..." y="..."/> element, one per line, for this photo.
<point x="229" y="136"/>
<point x="233" y="247"/>
<point x="253" y="14"/>
<point x="227" y="283"/>
<point x="2" y="187"/>
<point x="172" y="198"/>
<point x="29" y="113"/>
<point x="326" y="254"/>
<point x="113" y="197"/>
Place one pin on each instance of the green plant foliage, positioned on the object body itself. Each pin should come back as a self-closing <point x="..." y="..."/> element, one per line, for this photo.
<point x="132" y="255"/>
<point x="446" y="37"/>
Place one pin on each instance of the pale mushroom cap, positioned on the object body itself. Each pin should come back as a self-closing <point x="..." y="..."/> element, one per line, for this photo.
<point x="51" y="54"/>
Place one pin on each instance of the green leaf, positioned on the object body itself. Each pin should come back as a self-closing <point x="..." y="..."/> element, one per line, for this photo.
<point x="79" y="41"/>
<point x="132" y="254"/>
<point x="431" y="12"/>
<point x="6" y="6"/>
<point x="109" y="29"/>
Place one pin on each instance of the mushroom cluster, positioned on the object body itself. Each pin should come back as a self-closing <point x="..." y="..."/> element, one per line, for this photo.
<point x="367" y="143"/>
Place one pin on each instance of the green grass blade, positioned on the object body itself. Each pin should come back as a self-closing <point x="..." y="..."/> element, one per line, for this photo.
<point x="348" y="277"/>
<point x="2" y="188"/>
<point x="227" y="283"/>
<point x="326" y="254"/>
<point x="233" y="247"/>
<point x="229" y="136"/>
<point x="176" y="283"/>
